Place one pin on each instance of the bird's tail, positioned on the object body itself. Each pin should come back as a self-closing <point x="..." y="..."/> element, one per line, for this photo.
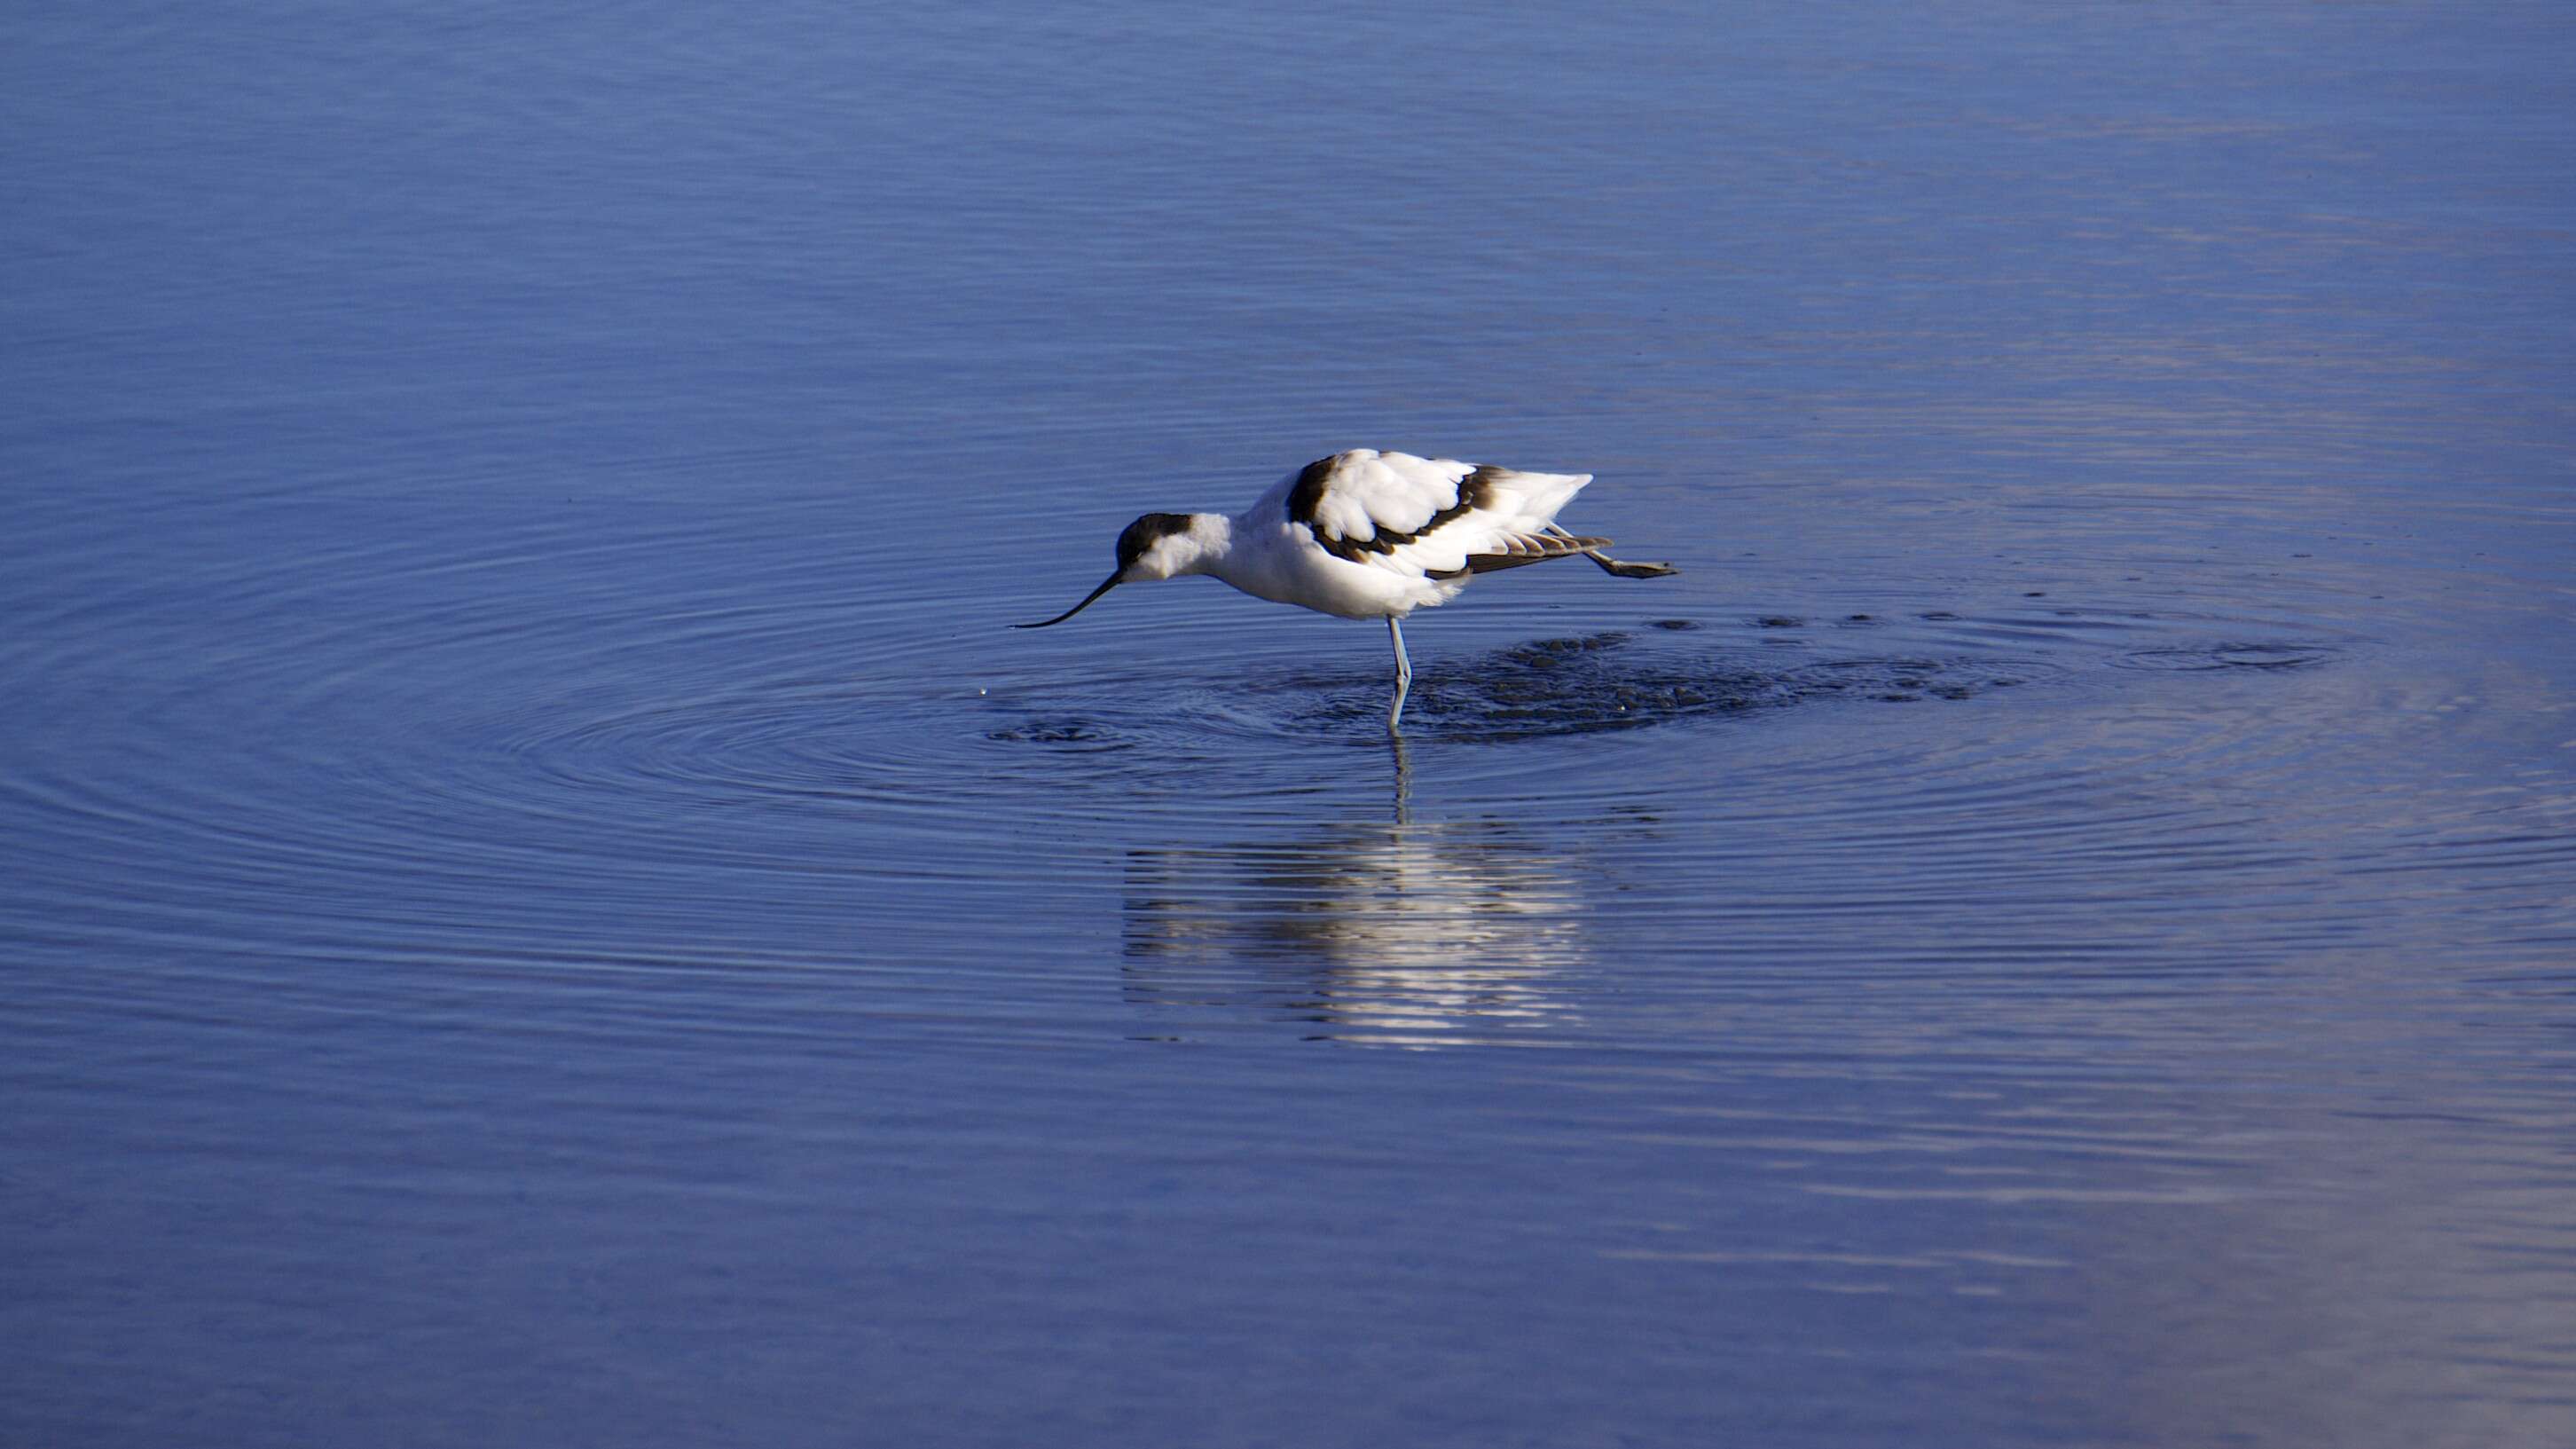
<point x="1526" y="501"/>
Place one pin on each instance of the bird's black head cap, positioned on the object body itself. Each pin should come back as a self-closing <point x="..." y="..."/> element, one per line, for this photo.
<point x="1140" y="535"/>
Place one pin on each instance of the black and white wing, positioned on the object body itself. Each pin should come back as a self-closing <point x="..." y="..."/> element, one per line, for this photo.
<point x="1434" y="516"/>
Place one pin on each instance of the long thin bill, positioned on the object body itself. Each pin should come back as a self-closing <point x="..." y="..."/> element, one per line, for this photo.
<point x="1076" y="609"/>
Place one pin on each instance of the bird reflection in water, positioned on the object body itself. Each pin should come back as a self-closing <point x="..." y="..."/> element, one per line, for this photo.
<point x="1437" y="934"/>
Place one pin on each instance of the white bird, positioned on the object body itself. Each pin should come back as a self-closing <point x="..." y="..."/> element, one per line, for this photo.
<point x="1367" y="535"/>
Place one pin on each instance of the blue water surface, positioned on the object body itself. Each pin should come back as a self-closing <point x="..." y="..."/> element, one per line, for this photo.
<point x="540" y="905"/>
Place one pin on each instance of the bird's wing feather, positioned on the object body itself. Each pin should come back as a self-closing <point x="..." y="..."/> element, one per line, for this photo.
<point x="1427" y="515"/>
<point x="1362" y="493"/>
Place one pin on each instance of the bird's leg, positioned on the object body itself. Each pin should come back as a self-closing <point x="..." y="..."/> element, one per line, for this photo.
<point x="1403" y="780"/>
<point x="1611" y="565"/>
<point x="1403" y="673"/>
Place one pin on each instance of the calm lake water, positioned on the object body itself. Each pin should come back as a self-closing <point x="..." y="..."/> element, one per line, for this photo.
<point x="541" y="905"/>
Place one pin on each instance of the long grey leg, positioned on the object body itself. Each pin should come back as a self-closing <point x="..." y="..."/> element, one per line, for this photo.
<point x="1403" y="673"/>
<point x="1403" y="779"/>
<point x="1620" y="567"/>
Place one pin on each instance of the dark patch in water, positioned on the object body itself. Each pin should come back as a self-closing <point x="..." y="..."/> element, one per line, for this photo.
<point x="1677" y="625"/>
<point x="1781" y="621"/>
<point x="1601" y="682"/>
<point x="1618" y="680"/>
<point x="2197" y="658"/>
<point x="1060" y="732"/>
<point x="1895" y="681"/>
<point x="1548" y="653"/>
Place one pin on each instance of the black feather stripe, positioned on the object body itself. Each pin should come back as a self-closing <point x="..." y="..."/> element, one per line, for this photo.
<point x="1308" y="495"/>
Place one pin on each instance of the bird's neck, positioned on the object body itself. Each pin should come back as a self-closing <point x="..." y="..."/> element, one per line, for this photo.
<point x="1211" y="539"/>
